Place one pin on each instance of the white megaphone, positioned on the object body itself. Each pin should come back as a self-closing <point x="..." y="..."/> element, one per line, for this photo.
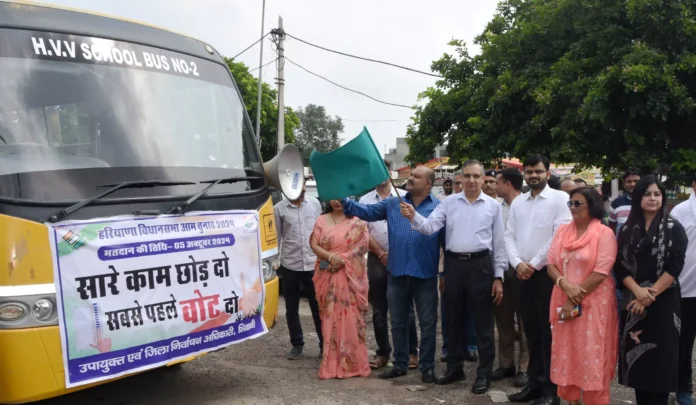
<point x="286" y="173"/>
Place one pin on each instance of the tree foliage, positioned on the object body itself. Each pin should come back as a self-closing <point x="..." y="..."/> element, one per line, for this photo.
<point x="248" y="86"/>
<point x="317" y="130"/>
<point x="606" y="83"/>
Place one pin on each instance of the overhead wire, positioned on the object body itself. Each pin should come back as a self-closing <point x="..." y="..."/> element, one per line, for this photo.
<point x="344" y="87"/>
<point x="363" y="58"/>
<point x="343" y="119"/>
<point x="263" y="76"/>
<point x="249" y="47"/>
<point x="275" y="33"/>
<point x="263" y="66"/>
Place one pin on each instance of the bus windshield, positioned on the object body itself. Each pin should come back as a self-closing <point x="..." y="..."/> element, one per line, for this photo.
<point x="88" y="108"/>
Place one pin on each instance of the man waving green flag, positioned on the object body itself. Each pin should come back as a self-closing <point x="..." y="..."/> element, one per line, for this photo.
<point x="349" y="170"/>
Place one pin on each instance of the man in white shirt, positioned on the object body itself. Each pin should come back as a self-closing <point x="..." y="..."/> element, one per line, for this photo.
<point x="685" y="213"/>
<point x="509" y="184"/>
<point x="378" y="277"/>
<point x="475" y="262"/>
<point x="472" y="349"/>
<point x="533" y="219"/>
<point x="446" y="190"/>
<point x="295" y="221"/>
<point x="458" y="182"/>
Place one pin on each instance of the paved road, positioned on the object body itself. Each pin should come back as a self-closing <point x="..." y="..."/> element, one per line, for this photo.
<point x="256" y="372"/>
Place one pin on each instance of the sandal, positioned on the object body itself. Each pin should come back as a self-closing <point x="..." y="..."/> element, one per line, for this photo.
<point x="378" y="362"/>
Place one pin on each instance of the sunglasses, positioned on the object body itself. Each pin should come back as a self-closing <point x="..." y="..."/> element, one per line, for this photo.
<point x="575" y="203"/>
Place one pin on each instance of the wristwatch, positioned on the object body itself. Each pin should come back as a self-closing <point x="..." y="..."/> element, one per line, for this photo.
<point x="498" y="278"/>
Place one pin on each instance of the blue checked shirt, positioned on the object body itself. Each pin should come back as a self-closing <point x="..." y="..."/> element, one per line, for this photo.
<point x="410" y="252"/>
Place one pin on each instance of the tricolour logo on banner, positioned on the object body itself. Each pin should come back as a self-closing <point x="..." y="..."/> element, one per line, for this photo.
<point x="138" y="293"/>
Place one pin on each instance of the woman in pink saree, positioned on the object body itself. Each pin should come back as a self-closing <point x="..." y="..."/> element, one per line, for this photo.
<point x="584" y="344"/>
<point x="340" y="282"/>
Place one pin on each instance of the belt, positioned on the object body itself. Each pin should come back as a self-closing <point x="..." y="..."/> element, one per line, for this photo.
<point x="469" y="256"/>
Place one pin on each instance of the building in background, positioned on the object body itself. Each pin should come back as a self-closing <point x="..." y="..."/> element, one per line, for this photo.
<point x="396" y="156"/>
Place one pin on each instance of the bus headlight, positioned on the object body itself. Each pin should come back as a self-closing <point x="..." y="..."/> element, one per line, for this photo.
<point x="28" y="306"/>
<point x="268" y="273"/>
<point x="12" y="312"/>
<point x="43" y="309"/>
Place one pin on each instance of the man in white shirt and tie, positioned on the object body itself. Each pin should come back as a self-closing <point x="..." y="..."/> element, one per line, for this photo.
<point x="532" y="221"/>
<point x="475" y="262"/>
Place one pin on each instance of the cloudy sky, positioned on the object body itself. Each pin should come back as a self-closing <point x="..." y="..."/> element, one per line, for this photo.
<point x="412" y="33"/>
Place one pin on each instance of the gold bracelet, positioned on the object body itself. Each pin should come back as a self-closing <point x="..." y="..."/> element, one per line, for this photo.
<point x="330" y="256"/>
<point x="558" y="281"/>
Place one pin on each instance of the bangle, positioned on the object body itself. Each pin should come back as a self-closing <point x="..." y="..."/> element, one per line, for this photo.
<point x="382" y="255"/>
<point x="558" y="281"/>
<point x="330" y="256"/>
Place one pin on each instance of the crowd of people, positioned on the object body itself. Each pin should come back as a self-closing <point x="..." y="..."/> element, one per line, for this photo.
<point x="576" y="291"/>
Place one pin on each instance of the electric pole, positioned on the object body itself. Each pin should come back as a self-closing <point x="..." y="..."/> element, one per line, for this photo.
<point x="281" y="85"/>
<point x="258" y="101"/>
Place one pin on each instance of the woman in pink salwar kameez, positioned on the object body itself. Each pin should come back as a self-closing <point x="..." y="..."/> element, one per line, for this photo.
<point x="584" y="347"/>
<point x="341" y="289"/>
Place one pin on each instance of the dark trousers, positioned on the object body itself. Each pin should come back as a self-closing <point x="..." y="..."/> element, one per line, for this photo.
<point x="377" y="295"/>
<point x="468" y="318"/>
<point x="536" y="296"/>
<point x="651" y="398"/>
<point x="291" y="291"/>
<point x="686" y="343"/>
<point x="468" y="285"/>
<point x="402" y="291"/>
<point x="505" y="315"/>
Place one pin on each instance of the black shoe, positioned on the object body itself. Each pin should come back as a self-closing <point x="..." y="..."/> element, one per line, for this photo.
<point x="471" y="356"/>
<point x="393" y="373"/>
<point x="481" y="385"/>
<point x="547" y="400"/>
<point x="502" y="373"/>
<point x="429" y="377"/>
<point x="526" y="395"/>
<point x="451" y="377"/>
<point x="521" y="379"/>
<point x="295" y="353"/>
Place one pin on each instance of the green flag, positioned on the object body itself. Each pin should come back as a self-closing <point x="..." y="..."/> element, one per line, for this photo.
<point x="349" y="170"/>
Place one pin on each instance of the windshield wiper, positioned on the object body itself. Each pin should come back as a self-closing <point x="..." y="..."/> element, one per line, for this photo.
<point x="61" y="215"/>
<point x="179" y="209"/>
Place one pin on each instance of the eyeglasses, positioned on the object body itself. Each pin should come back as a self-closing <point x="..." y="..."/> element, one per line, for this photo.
<point x="575" y="203"/>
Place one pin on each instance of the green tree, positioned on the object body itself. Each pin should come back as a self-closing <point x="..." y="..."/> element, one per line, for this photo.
<point x="248" y="86"/>
<point x="317" y="130"/>
<point x="606" y="83"/>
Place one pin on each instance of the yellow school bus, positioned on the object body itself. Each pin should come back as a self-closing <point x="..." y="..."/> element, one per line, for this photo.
<point x="102" y="117"/>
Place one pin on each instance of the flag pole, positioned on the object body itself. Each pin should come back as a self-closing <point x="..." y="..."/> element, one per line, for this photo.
<point x="392" y="183"/>
<point x="396" y="189"/>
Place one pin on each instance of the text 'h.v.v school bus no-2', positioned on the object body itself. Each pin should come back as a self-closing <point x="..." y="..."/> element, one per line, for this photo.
<point x="141" y="118"/>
